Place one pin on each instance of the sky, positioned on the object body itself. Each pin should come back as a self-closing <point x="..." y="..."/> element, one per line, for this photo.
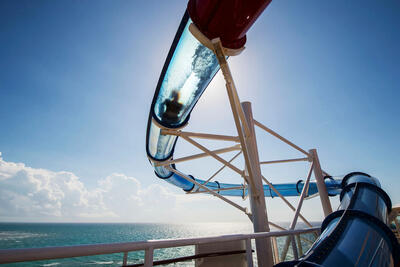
<point x="77" y="79"/>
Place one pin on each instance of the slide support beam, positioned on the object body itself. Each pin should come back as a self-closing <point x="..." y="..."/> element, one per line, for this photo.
<point x="319" y="177"/>
<point x="256" y="192"/>
<point x="245" y="127"/>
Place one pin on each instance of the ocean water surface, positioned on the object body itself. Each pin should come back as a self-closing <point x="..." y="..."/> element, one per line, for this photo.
<point x="30" y="235"/>
<point x="33" y="235"/>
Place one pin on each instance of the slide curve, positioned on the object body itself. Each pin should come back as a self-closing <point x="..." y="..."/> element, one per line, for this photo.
<point x="357" y="234"/>
<point x="188" y="69"/>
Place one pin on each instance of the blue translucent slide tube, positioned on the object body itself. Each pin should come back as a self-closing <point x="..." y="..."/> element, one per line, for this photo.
<point x="188" y="70"/>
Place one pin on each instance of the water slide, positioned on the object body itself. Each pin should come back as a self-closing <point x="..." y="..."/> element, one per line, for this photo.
<point x="357" y="234"/>
<point x="189" y="68"/>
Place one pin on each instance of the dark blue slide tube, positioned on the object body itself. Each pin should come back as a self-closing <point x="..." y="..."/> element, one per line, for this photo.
<point x="357" y="234"/>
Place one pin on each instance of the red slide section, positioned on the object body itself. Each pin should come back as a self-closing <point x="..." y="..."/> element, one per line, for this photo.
<point x="227" y="19"/>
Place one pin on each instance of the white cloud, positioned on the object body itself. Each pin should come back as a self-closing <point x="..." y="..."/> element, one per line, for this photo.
<point x="29" y="194"/>
<point x="41" y="195"/>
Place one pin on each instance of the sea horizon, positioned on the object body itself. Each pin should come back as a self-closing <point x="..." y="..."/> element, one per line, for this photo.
<point x="14" y="235"/>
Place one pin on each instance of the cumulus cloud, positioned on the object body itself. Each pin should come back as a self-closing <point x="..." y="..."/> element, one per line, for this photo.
<point x="38" y="194"/>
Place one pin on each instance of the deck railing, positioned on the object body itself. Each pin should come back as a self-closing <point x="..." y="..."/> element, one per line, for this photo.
<point x="51" y="253"/>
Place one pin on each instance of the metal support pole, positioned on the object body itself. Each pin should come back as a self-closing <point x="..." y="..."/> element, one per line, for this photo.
<point x="256" y="193"/>
<point x="220" y="169"/>
<point x="197" y="156"/>
<point x="296" y="215"/>
<point x="319" y="177"/>
<point x="299" y="245"/>
<point x="212" y="154"/>
<point x="265" y="128"/>
<point x="249" y="146"/>
<point x="285" y="200"/>
<point x="187" y="178"/>
<point x="201" y="135"/>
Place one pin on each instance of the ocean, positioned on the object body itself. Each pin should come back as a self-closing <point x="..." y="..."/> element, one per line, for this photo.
<point x="30" y="235"/>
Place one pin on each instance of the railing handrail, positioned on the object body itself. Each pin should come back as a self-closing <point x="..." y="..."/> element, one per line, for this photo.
<point x="48" y="253"/>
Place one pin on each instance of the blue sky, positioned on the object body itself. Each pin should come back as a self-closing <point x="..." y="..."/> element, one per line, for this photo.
<point x="77" y="79"/>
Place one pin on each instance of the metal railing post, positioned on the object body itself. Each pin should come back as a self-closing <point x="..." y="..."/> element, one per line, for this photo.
<point x="249" y="253"/>
<point x="276" y="250"/>
<point x="148" y="257"/>
<point x="125" y="259"/>
<point x="299" y="245"/>
<point x="319" y="177"/>
<point x="294" y="248"/>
